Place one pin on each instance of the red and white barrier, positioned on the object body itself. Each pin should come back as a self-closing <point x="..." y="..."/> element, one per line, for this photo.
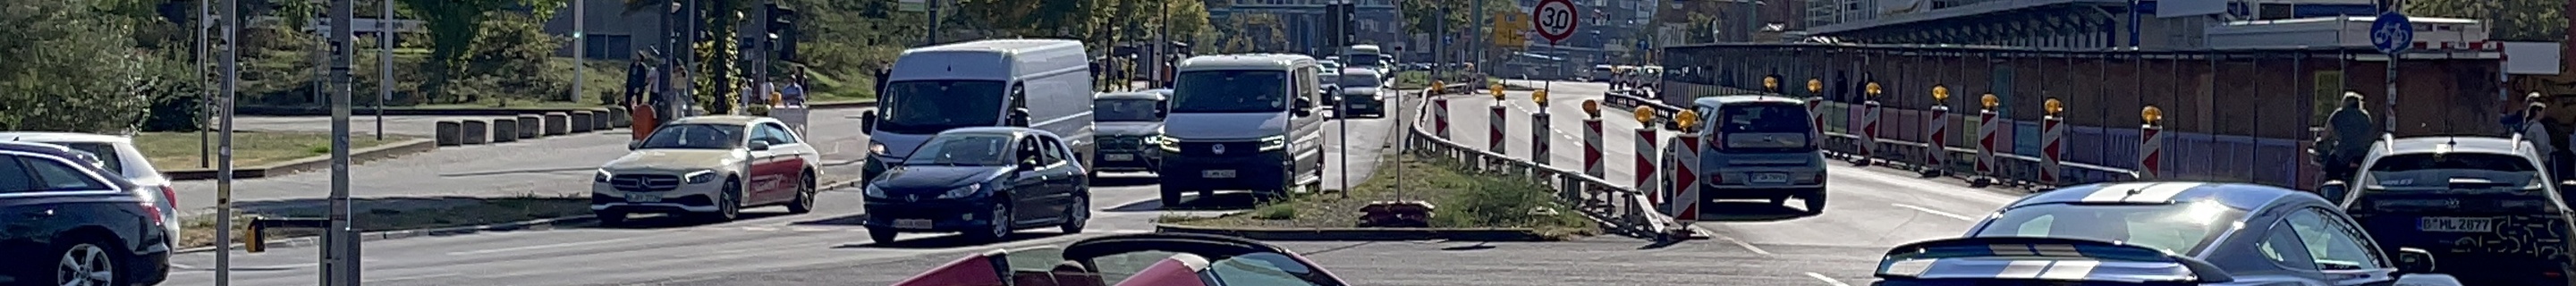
<point x="1685" y="178"/>
<point x="1538" y="137"/>
<point x="1936" y="152"/>
<point x="1646" y="162"/>
<point x="1440" y="116"/>
<point x="1494" y="130"/>
<point x="2151" y="153"/>
<point x="1592" y="148"/>
<point x="1987" y="127"/>
<point x="1868" y="133"/>
<point x="2052" y="132"/>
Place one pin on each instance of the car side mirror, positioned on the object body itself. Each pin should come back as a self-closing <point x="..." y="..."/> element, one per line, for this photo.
<point x="2333" y="190"/>
<point x="759" y="145"/>
<point x="2414" y="260"/>
<point x="632" y="145"/>
<point x="868" y="121"/>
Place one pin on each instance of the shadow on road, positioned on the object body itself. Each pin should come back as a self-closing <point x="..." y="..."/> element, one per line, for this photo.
<point x="1749" y="211"/>
<point x="951" y="241"/>
<point x="848" y="220"/>
<point x="669" y="221"/>
<point x="523" y="171"/>
<point x="1124" y="180"/>
<point x="1222" y="201"/>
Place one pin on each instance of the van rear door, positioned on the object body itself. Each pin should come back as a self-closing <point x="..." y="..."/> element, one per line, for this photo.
<point x="1762" y="127"/>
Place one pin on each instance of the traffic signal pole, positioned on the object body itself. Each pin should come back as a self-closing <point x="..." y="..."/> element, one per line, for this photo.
<point x="224" y="145"/>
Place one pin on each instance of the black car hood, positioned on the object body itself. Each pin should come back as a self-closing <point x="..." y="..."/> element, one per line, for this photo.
<point x="1124" y="128"/>
<point x="936" y="179"/>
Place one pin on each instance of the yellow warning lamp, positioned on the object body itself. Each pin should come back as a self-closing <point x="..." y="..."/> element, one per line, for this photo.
<point x="1989" y="101"/>
<point x="2053" y="106"/>
<point x="1771" y="83"/>
<point x="1686" y="119"/>
<point x="1497" y="90"/>
<point x="1539" y="97"/>
<point x="1645" y="115"/>
<point x="1873" y="90"/>
<point x="1592" y="108"/>
<point x="1940" y="93"/>
<point x="1435" y="86"/>
<point x="2152" y="114"/>
<point x="1815" y="85"/>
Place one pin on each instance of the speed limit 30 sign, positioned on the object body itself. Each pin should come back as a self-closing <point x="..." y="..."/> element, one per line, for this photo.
<point x="1554" y="20"/>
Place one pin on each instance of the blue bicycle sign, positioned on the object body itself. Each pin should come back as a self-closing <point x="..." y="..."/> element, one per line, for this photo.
<point x="2392" y="33"/>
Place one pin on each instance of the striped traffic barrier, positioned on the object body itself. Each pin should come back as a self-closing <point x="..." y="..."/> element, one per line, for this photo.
<point x="1592" y="140"/>
<point x="1440" y="116"/>
<point x="1645" y="154"/>
<point x="1494" y="129"/>
<point x="2052" y="132"/>
<point x="1987" y="127"/>
<point x="2151" y="144"/>
<point x="1684" y="205"/>
<point x="1538" y="129"/>
<point x="1816" y="107"/>
<point x="1868" y="127"/>
<point x="1936" y="130"/>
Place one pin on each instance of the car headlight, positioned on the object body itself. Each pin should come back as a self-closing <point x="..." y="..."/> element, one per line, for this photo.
<point x="1166" y="142"/>
<point x="700" y="177"/>
<point x="601" y="176"/>
<point x="878" y="149"/>
<point x="873" y="192"/>
<point x="1274" y="143"/>
<point x="969" y="190"/>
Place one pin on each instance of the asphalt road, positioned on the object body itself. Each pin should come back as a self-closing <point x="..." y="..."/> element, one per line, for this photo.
<point x="673" y="251"/>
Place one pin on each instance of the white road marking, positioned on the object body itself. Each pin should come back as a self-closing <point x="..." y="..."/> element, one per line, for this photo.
<point x="1828" y="280"/>
<point x="1935" y="212"/>
<point x="537" y="246"/>
<point x="413" y="277"/>
<point x="1747" y="246"/>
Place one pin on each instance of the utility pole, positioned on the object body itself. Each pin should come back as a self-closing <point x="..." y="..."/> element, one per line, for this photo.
<point x="933" y="35"/>
<point x="340" y="256"/>
<point x="385" y="62"/>
<point x="224" y="146"/>
<point x="580" y="49"/>
<point x="206" y="96"/>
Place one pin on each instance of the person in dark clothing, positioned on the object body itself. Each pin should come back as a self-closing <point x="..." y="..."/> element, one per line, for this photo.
<point x="637" y="82"/>
<point x="882" y="72"/>
<point x="2352" y="136"/>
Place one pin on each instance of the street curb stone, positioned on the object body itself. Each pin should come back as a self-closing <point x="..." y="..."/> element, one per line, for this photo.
<point x="387" y="151"/>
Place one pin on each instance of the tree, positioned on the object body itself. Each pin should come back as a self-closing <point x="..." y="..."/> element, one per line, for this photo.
<point x="453" y="27"/>
<point x="2524" y="20"/>
<point x="62" y="76"/>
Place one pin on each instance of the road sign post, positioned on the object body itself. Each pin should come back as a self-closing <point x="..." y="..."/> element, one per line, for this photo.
<point x="2392" y="34"/>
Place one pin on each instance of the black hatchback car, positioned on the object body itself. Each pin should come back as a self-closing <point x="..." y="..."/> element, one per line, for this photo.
<point x="984" y="181"/>
<point x="68" y="222"/>
<point x="1127" y="123"/>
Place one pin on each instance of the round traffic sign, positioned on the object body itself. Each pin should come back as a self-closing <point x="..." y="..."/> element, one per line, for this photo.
<point x="1554" y="19"/>
<point x="2392" y="33"/>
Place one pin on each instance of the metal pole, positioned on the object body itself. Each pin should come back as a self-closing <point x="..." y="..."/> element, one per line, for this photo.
<point x="205" y="96"/>
<point x="580" y="50"/>
<point x="224" y="147"/>
<point x="934" y="23"/>
<point x="385" y="62"/>
<point x="343" y="241"/>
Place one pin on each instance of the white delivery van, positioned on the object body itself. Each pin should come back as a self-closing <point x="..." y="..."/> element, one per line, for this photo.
<point x="1042" y="84"/>
<point x="1243" y="122"/>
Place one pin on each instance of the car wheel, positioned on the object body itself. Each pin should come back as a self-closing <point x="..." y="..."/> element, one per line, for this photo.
<point x="881" y="235"/>
<point x="610" y="218"/>
<point x="1077" y="215"/>
<point x="729" y="202"/>
<point x="88" y="262"/>
<point x="1815" y="202"/>
<point x="1001" y="224"/>
<point x="1171" y="196"/>
<point x="804" y="202"/>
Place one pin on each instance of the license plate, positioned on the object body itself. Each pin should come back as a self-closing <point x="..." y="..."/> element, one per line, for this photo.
<point x="1771" y="178"/>
<point x="912" y="223"/>
<point x="643" y="198"/>
<point x="1118" y="157"/>
<point x="2456" y="224"/>
<point x="1220" y="174"/>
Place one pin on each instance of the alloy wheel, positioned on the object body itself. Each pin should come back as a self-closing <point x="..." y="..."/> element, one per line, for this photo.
<point x="85" y="265"/>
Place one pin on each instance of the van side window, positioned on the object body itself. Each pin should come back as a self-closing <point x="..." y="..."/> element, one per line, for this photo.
<point x="1708" y="118"/>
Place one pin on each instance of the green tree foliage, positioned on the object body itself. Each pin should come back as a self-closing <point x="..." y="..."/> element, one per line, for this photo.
<point x="62" y="76"/>
<point x="508" y="62"/>
<point x="454" y="26"/>
<point x="2523" y="20"/>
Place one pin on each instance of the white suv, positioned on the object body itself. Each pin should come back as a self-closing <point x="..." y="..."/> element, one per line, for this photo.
<point x="118" y="155"/>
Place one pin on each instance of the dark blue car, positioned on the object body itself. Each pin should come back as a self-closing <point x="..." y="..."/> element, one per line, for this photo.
<point x="986" y="182"/>
<point x="2161" y="233"/>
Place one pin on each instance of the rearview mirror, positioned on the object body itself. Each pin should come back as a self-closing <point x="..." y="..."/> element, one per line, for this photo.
<point x="868" y="121"/>
<point x="2414" y="260"/>
<point x="759" y="145"/>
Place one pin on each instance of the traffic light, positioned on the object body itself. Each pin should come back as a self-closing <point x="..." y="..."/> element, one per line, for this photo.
<point x="782" y="25"/>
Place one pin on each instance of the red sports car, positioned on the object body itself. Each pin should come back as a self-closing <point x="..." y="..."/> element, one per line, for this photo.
<point x="1158" y="259"/>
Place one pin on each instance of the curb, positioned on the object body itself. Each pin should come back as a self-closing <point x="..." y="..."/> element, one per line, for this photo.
<point x="387" y="151"/>
<point x="1361" y="234"/>
<point x="535" y="224"/>
<point x="480" y="111"/>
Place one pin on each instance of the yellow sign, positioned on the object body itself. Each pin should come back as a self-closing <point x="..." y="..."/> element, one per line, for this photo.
<point x="2053" y="106"/>
<point x="1510" y="30"/>
<point x="1645" y="115"/>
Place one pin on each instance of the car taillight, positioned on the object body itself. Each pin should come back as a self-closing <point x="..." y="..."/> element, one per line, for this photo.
<point x="171" y="195"/>
<point x="152" y="211"/>
<point x="1716" y="178"/>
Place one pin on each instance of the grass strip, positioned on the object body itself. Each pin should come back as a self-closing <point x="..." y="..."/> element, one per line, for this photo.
<point x="1463" y="200"/>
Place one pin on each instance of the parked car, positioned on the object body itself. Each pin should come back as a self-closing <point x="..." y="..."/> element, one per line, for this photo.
<point x="984" y="181"/>
<point x="1243" y="122"/>
<point x="70" y="222"/>
<point x="710" y="166"/>
<point x="117" y="155"/>
<point x="1150" y="259"/>
<point x="2161" y="233"/>
<point x="2436" y="193"/>
<point x="1128" y="121"/>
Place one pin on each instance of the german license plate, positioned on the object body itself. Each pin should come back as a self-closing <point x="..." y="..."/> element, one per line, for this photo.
<point x="1118" y="157"/>
<point x="1771" y="178"/>
<point x="1218" y="174"/>
<point x="2456" y="224"/>
<point x="912" y="223"/>
<point x="643" y="198"/>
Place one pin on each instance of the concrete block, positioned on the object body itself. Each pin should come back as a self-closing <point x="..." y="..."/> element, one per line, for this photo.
<point x="557" y="123"/>
<point x="531" y="126"/>
<point x="581" y="121"/>
<point x="450" y="133"/>
<point x="505" y="129"/>
<point x="619" y="117"/>
<point x="474" y="131"/>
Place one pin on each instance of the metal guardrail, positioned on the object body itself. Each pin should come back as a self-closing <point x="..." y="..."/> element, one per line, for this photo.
<point x="2011" y="169"/>
<point x="1627" y="209"/>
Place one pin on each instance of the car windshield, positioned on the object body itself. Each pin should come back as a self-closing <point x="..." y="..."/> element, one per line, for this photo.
<point x="1764" y="118"/>
<point x="929" y="106"/>
<point x="1231" y="91"/>
<point x="1365" y="60"/>
<point x="962" y="150"/>
<point x="695" y="136"/>
<point x="1118" y="110"/>
<point x="2183" y="228"/>
<point x="1360" y="80"/>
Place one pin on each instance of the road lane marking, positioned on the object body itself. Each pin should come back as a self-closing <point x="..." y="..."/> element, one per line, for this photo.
<point x="1828" y="280"/>
<point x="1935" y="212"/>
<point x="1730" y="239"/>
<point x="413" y="277"/>
<point x="540" y="246"/>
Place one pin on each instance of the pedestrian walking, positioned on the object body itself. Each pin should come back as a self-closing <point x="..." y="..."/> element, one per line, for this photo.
<point x="2352" y="136"/>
